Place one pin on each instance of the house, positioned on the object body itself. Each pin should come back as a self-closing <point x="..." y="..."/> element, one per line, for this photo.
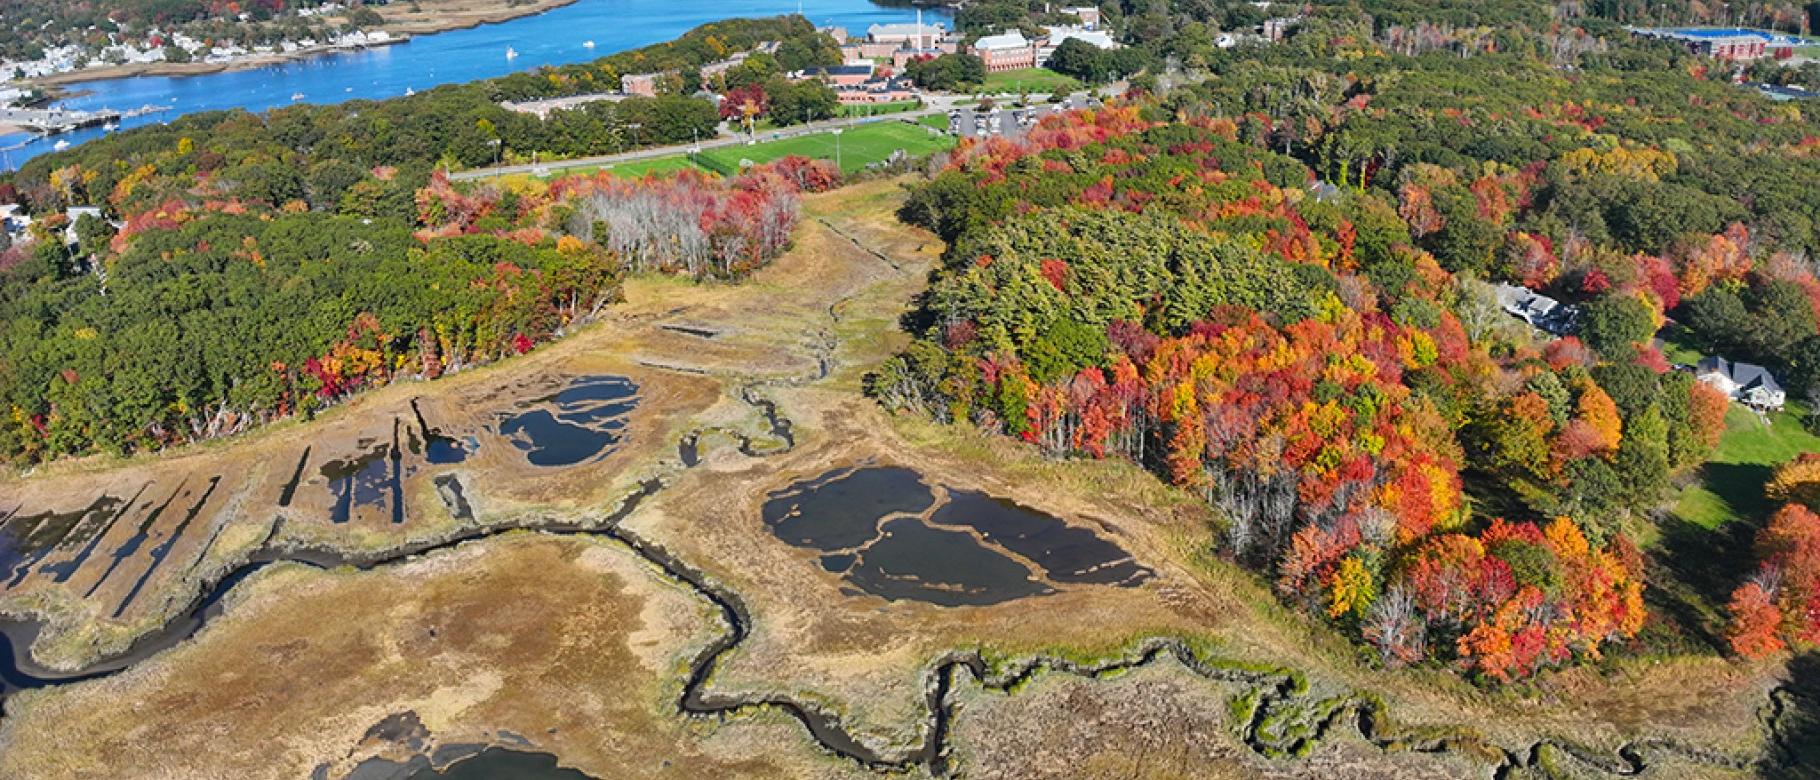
<point x="712" y="69"/>
<point x="840" y="76"/>
<point x="1274" y="29"/>
<point x="642" y="84"/>
<point x="1005" y="51"/>
<point x="1098" y="39"/>
<point x="876" y="91"/>
<point x="885" y="41"/>
<point x="1735" y="44"/>
<point x="915" y="34"/>
<point x="14" y="220"/>
<point x="1748" y="384"/>
<point x="75" y="214"/>
<point x="1540" y="311"/>
<point x="1089" y="15"/>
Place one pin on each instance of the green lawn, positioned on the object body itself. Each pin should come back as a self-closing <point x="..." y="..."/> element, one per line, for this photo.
<point x="643" y="168"/>
<point x="937" y="121"/>
<point x="1732" y="482"/>
<point x="858" y="146"/>
<point x="1677" y="346"/>
<point x="1702" y="549"/>
<point x="1012" y="82"/>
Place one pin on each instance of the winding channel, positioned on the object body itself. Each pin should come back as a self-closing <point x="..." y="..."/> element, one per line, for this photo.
<point x="1285" y="721"/>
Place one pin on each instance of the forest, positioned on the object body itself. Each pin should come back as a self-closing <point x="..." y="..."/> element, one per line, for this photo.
<point x="1274" y="288"/>
<point x="192" y="322"/>
<point x="267" y="264"/>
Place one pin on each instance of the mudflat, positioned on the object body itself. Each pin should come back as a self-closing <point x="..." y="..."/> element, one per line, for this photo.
<point x="588" y="645"/>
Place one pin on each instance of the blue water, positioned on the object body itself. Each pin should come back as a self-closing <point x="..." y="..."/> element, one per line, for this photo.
<point x="551" y="38"/>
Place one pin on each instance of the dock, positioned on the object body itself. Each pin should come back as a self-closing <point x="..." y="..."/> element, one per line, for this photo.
<point x="54" y="121"/>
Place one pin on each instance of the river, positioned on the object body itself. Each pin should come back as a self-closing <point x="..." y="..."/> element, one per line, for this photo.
<point x="554" y="37"/>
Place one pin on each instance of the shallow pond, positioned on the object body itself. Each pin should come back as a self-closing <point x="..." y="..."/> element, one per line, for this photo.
<point x="1067" y="553"/>
<point x="912" y="560"/>
<point x="368" y="479"/>
<point x="883" y="529"/>
<point x="583" y="422"/>
<point x="26" y="539"/>
<point x="841" y="509"/>
<point x="502" y="764"/>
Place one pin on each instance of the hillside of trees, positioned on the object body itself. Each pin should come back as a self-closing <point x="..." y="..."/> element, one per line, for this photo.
<point x="192" y="322"/>
<point x="1273" y="287"/>
<point x="266" y="265"/>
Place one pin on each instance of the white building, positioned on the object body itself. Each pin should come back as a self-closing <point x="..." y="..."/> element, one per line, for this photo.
<point x="1099" y="39"/>
<point x="75" y="214"/>
<point x="1748" y="384"/>
<point x="1005" y="51"/>
<point x="920" y="36"/>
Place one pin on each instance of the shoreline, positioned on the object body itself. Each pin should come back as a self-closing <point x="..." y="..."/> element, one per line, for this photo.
<point x="427" y="22"/>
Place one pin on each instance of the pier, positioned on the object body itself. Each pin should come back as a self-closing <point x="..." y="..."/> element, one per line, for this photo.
<point x="50" y="121"/>
<point x="53" y="121"/>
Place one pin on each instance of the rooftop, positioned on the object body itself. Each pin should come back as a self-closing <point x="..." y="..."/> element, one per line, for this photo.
<point x="1011" y="40"/>
<point x="1098" y="38"/>
<point x="1746" y="376"/>
<point x="841" y="70"/>
<point x="1724" y="34"/>
<point x="905" y="28"/>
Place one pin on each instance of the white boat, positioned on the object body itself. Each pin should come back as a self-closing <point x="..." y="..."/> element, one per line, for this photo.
<point x="587" y="44"/>
<point x="409" y="91"/>
<point x="296" y="95"/>
<point x="111" y="126"/>
<point x="60" y="146"/>
<point x="511" y="53"/>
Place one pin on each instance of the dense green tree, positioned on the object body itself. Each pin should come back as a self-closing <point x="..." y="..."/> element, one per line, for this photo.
<point x="1613" y="324"/>
<point x="802" y="101"/>
<point x="948" y="72"/>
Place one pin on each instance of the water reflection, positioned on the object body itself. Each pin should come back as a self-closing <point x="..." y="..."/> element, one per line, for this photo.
<point x="502" y="764"/>
<point x="583" y="422"/>
<point x="877" y="529"/>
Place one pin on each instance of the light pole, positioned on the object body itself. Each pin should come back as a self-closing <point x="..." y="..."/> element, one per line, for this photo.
<point x="837" y="164"/>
